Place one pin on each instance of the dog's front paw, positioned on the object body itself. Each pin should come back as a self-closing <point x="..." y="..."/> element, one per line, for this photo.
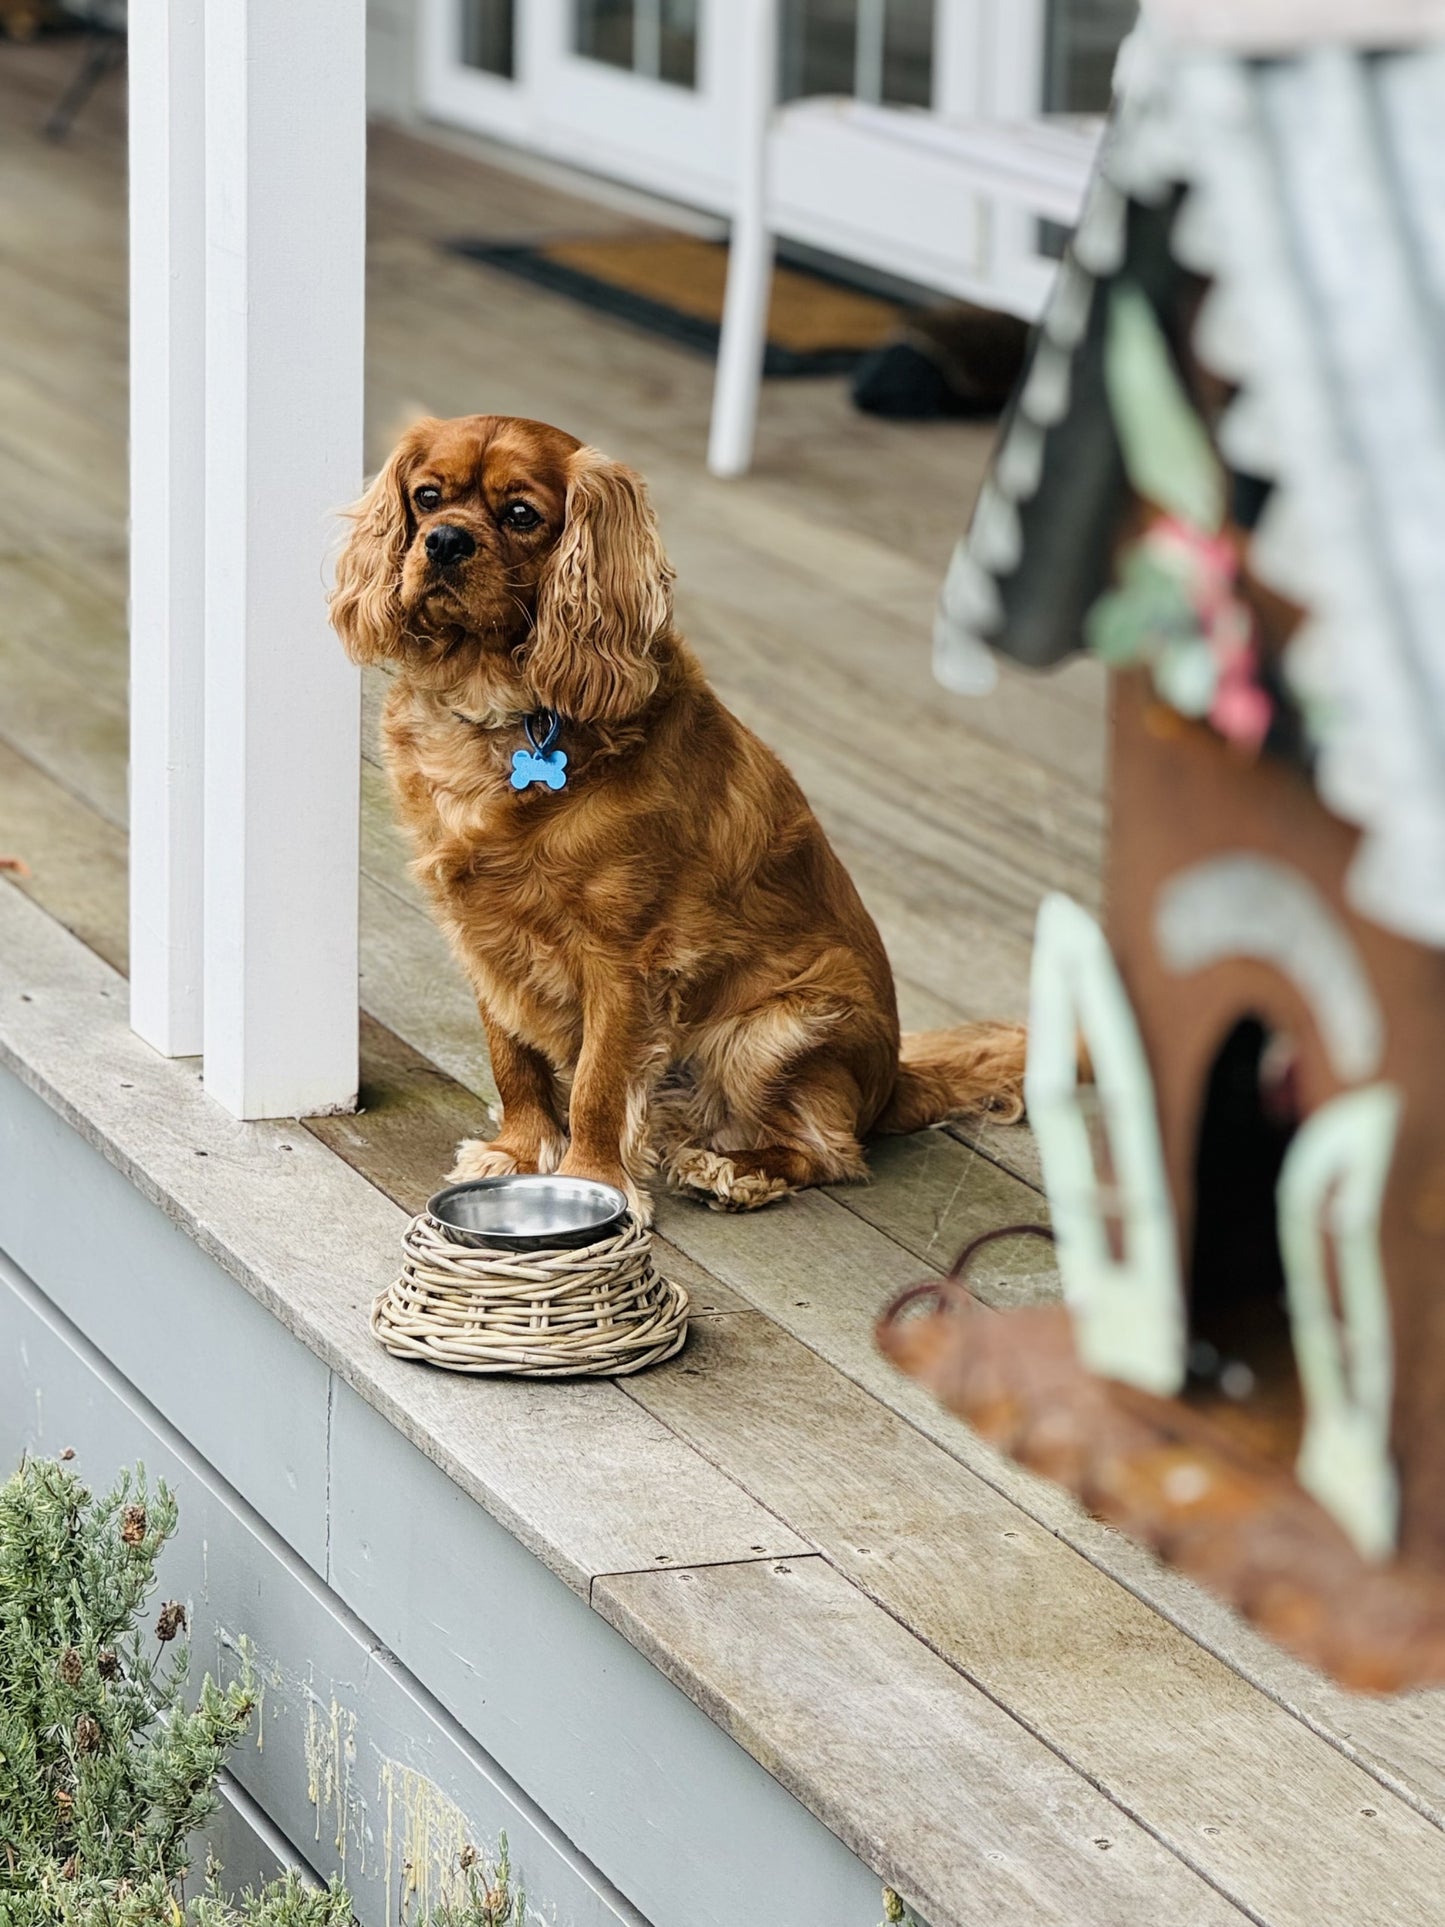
<point x="709" y="1175"/>
<point x="639" y="1199"/>
<point x="478" y="1159"/>
<point x="639" y="1202"/>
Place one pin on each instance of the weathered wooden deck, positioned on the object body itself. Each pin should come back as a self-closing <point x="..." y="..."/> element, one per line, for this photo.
<point x="980" y="1690"/>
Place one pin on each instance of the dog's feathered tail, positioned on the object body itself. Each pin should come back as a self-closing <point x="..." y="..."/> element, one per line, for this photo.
<point x="969" y="1070"/>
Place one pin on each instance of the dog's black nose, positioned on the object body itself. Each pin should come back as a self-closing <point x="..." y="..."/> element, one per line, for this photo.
<point x="447" y="543"/>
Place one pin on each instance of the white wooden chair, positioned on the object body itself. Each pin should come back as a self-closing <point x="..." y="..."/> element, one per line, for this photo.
<point x="932" y="200"/>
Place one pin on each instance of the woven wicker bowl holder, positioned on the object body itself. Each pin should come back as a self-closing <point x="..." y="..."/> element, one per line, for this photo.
<point x="598" y="1311"/>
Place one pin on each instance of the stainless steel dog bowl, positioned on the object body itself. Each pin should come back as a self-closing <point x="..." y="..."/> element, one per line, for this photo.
<point x="528" y="1213"/>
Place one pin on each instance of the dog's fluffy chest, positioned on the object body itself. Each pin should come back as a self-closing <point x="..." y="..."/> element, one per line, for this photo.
<point x="530" y="882"/>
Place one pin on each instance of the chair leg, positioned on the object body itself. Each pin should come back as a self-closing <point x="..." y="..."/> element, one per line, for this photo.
<point x="750" y="254"/>
<point x="741" y="350"/>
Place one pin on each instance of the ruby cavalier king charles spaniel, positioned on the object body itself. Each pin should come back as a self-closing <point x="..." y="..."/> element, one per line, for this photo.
<point x="672" y="965"/>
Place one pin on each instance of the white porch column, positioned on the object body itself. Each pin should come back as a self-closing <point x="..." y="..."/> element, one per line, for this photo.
<point x="167" y="519"/>
<point x="285" y="210"/>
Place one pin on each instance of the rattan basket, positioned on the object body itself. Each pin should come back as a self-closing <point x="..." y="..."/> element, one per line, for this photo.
<point x="601" y="1310"/>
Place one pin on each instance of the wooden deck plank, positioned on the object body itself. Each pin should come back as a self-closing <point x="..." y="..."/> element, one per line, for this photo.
<point x="48" y="327"/>
<point x="417" y="183"/>
<point x="410" y="983"/>
<point x="1010" y="1146"/>
<point x="925" y="762"/>
<point x="75" y="617"/>
<point x="881" y="645"/>
<point x="931" y="1193"/>
<point x="1008" y="1833"/>
<point x="77" y="859"/>
<point x="1274" y="1818"/>
<point x="69" y="453"/>
<point x="410" y="1117"/>
<point x="71" y="730"/>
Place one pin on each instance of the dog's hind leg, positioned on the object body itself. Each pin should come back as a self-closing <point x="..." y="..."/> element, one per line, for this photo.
<point x="810" y="1136"/>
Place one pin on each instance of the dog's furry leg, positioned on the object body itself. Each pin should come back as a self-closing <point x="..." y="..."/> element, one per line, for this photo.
<point x="810" y="1137"/>
<point x="621" y="1060"/>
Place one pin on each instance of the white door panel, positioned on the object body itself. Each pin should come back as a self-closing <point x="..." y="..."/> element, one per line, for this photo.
<point x="990" y="59"/>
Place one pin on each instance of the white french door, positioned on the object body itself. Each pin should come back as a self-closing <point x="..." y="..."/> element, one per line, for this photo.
<point x="651" y="91"/>
<point x="645" y="91"/>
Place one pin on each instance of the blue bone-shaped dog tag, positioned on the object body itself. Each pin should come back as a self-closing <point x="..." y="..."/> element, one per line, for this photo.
<point x="541" y="763"/>
<point x="528" y="768"/>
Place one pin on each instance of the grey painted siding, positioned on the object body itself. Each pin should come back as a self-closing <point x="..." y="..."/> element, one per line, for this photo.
<point x="168" y="1319"/>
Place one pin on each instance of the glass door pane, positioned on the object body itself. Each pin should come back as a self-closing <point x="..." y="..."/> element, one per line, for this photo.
<point x="875" y="50"/>
<point x="677" y="42"/>
<point x="489" y="37"/>
<point x="908" y="53"/>
<point x="819" y="41"/>
<point x="606" y="30"/>
<point x="1082" y="40"/>
<point x="655" y="39"/>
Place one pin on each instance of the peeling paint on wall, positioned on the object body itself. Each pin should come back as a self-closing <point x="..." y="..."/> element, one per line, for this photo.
<point x="330" y="1756"/>
<point x="399" y="1827"/>
<point x="433" y="1832"/>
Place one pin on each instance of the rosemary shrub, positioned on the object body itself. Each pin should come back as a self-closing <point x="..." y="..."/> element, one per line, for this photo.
<point x="105" y="1772"/>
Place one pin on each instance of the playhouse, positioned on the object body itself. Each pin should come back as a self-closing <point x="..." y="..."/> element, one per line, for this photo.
<point x="1224" y="474"/>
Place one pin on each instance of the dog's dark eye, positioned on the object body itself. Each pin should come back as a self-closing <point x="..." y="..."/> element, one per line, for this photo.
<point x="428" y="497"/>
<point x="520" y="515"/>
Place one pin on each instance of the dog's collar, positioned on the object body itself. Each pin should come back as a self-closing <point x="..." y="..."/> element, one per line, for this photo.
<point x="487" y="722"/>
<point x="541" y="761"/>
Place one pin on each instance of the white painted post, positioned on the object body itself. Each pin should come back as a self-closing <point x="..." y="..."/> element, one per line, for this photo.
<point x="750" y="252"/>
<point x="167" y="519"/>
<point x="285" y="211"/>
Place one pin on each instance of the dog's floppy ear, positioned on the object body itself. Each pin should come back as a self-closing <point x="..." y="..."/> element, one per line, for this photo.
<point x="605" y="599"/>
<point x="366" y="602"/>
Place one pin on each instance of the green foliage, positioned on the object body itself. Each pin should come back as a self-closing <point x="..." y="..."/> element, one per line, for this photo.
<point x="285" y="1903"/>
<point x="84" y="1902"/>
<point x="487" y="1897"/>
<point x="104" y="1772"/>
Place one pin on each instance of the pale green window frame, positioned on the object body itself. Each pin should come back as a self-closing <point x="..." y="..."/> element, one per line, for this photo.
<point x="1128" y="1312"/>
<point x="1331" y="1190"/>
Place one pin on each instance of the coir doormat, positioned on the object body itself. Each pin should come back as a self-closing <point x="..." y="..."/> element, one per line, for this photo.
<point x="674" y="285"/>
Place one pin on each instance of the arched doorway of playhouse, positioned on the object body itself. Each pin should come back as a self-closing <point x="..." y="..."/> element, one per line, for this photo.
<point x="1241" y="1359"/>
